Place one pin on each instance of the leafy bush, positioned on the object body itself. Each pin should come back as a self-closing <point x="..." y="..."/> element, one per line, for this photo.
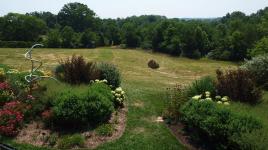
<point x="110" y="73"/>
<point x="76" y="107"/>
<point x="195" y="55"/>
<point x="178" y="96"/>
<point x="68" y="142"/>
<point x="76" y="70"/>
<point x="260" y="48"/>
<point x="153" y="64"/>
<point x="216" y="126"/>
<point x="258" y="66"/>
<point x="146" y="45"/>
<point x="238" y="85"/>
<point x="219" y="54"/>
<point x="201" y="86"/>
<point x="105" y="130"/>
<point x="6" y="93"/>
<point x="10" y="121"/>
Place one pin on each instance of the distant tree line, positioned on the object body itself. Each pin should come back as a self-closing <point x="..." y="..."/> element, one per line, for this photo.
<point x="233" y="37"/>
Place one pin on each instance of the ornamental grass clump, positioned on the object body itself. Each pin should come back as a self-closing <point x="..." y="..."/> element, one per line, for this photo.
<point x="76" y="70"/>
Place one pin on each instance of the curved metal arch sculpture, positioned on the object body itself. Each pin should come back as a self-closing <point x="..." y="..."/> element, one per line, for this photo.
<point x="32" y="77"/>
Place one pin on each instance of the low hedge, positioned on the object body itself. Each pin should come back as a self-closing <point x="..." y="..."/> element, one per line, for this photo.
<point x="16" y="44"/>
<point x="217" y="126"/>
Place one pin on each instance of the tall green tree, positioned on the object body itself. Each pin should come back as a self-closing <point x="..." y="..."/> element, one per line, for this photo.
<point x="129" y="35"/>
<point x="17" y="27"/>
<point x="53" y="39"/>
<point x="78" y="16"/>
<point x="89" y="39"/>
<point x="68" y="37"/>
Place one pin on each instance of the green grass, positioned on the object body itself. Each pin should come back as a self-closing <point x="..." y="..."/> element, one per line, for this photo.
<point x="145" y="88"/>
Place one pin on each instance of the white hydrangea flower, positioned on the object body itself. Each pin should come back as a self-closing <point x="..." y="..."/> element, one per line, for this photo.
<point x="209" y="99"/>
<point x="219" y="102"/>
<point x="226" y="103"/>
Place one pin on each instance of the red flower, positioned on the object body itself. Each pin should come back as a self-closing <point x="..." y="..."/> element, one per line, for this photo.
<point x="4" y="86"/>
<point x="10" y="121"/>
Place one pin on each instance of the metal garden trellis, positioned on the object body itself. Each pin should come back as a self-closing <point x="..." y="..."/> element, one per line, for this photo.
<point x="30" y="78"/>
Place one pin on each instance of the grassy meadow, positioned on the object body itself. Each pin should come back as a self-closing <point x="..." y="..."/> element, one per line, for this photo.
<point x="145" y="88"/>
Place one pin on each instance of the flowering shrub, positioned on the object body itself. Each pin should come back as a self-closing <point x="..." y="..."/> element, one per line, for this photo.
<point x="207" y="97"/>
<point x="10" y="121"/>
<point x="6" y="94"/>
<point x="258" y="66"/>
<point x="119" y="97"/>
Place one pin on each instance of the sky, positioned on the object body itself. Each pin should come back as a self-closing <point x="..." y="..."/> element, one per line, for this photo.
<point x="126" y="8"/>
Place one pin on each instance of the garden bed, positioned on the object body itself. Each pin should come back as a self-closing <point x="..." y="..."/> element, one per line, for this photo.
<point x="35" y="133"/>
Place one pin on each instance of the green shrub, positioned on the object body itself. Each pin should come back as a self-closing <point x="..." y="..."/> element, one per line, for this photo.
<point x="258" y="66"/>
<point x="238" y="85"/>
<point x="260" y="48"/>
<point x="146" y="45"/>
<point x="200" y="86"/>
<point x="76" y="107"/>
<point x="105" y="130"/>
<point x="216" y="126"/>
<point x="52" y="139"/>
<point x="195" y="55"/>
<point x="68" y="142"/>
<point x="219" y="54"/>
<point x="76" y="70"/>
<point x="110" y="73"/>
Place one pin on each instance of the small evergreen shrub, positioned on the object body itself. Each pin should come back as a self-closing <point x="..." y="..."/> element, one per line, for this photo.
<point x="77" y="108"/>
<point x="216" y="126"/>
<point x="153" y="64"/>
<point x="201" y="86"/>
<point x="239" y="85"/>
<point x="110" y="73"/>
<point x="69" y="142"/>
<point x="76" y="70"/>
<point x="258" y="66"/>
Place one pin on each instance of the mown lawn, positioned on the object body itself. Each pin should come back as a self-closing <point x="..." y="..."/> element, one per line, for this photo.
<point x="145" y="88"/>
